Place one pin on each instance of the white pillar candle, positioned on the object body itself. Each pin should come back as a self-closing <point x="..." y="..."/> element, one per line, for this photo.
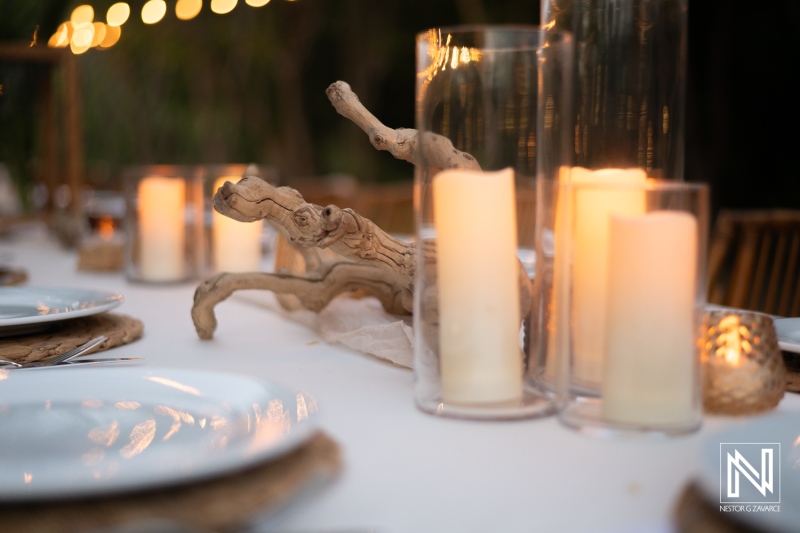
<point x="650" y="348"/>
<point x="236" y="246"/>
<point x="162" y="228"/>
<point x="477" y="273"/>
<point x="591" y="210"/>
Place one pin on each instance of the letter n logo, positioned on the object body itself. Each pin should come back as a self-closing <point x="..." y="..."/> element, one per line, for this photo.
<point x="747" y="472"/>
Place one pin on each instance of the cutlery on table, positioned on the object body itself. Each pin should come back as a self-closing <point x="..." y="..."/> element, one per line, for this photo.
<point x="83" y="349"/>
<point x="64" y="364"/>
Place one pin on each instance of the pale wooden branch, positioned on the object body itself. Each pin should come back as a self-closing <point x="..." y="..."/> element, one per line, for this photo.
<point x="344" y="231"/>
<point x="401" y="142"/>
<point x="367" y="258"/>
<point x="313" y="293"/>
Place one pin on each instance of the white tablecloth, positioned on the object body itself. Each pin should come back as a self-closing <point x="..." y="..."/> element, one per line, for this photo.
<point x="404" y="470"/>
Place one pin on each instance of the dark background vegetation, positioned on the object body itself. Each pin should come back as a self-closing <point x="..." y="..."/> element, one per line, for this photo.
<point x="249" y="86"/>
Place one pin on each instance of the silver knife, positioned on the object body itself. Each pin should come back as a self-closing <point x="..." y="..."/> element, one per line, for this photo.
<point x="74" y="362"/>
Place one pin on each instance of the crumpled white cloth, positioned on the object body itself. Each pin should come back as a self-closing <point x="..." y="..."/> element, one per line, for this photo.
<point x="360" y="324"/>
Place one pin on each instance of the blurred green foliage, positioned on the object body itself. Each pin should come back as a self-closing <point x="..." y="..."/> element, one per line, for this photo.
<point x="247" y="86"/>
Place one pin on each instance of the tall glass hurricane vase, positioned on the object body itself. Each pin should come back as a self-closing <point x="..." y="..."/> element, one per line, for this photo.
<point x="629" y="84"/>
<point x="492" y="114"/>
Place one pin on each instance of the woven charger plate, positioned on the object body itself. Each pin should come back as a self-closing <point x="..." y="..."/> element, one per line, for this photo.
<point x="792" y="361"/>
<point x="695" y="514"/>
<point x="66" y="335"/>
<point x="220" y="504"/>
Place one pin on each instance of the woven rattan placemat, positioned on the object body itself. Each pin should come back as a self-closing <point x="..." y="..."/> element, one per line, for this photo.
<point x="66" y="335"/>
<point x="219" y="504"/>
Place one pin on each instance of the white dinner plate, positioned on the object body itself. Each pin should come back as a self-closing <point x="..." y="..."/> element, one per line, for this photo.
<point x="23" y="309"/>
<point x="788" y="330"/>
<point x="758" y="432"/>
<point x="97" y="431"/>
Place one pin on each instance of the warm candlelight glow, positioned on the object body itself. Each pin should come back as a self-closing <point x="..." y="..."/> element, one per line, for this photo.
<point x="650" y="344"/>
<point x="236" y="246"/>
<point x="733" y="341"/>
<point x="591" y="208"/>
<point x="118" y="14"/>
<point x="153" y="11"/>
<point x="105" y="228"/>
<point x="162" y="205"/>
<point x="477" y="273"/>
<point x="188" y="9"/>
<point x="257" y="3"/>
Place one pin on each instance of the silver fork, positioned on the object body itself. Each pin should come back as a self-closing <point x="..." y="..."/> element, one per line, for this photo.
<point x="64" y="357"/>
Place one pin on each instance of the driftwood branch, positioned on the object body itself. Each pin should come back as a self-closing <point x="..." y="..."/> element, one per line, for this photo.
<point x="313" y="293"/>
<point x="401" y="142"/>
<point x="343" y="231"/>
<point x="367" y="259"/>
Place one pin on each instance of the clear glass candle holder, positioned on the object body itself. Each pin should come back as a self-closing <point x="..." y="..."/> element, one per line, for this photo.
<point x="630" y="82"/>
<point x="164" y="214"/>
<point x="230" y="245"/>
<point x="620" y="342"/>
<point x="490" y="113"/>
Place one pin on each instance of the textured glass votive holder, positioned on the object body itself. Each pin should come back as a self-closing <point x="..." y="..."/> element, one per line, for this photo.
<point x="743" y="369"/>
<point x="163" y="224"/>
<point x="627" y="301"/>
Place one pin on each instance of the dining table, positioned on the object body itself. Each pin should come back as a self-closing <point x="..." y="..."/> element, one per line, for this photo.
<point x="402" y="469"/>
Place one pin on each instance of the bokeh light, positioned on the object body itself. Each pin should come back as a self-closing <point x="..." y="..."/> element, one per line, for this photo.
<point x="153" y="11"/>
<point x="118" y="14"/>
<point x="62" y="36"/>
<point x="82" y="14"/>
<point x="113" y="34"/>
<point x="99" y="33"/>
<point x="188" y="9"/>
<point x="221" y="7"/>
<point x="82" y="37"/>
<point x="256" y="3"/>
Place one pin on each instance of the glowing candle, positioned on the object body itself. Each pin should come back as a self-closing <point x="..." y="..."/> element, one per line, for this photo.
<point x="650" y="347"/>
<point x="236" y="245"/>
<point x="162" y="228"/>
<point x="477" y="273"/>
<point x="591" y="208"/>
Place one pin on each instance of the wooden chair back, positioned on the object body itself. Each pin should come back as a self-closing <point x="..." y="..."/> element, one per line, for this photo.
<point x="754" y="261"/>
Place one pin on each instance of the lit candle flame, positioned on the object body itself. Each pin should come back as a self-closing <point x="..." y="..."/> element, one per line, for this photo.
<point x="105" y="228"/>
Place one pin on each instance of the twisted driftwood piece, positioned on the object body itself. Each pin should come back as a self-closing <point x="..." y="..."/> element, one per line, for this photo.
<point x="367" y="258"/>
<point x="402" y="142"/>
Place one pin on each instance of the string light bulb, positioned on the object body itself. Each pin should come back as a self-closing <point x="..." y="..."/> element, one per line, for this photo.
<point x="153" y="11"/>
<point x="118" y="14"/>
<point x="221" y="7"/>
<point x="188" y="9"/>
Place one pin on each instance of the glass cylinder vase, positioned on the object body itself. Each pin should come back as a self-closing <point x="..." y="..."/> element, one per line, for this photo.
<point x="491" y="113"/>
<point x="624" y="333"/>
<point x="230" y="245"/>
<point x="629" y="83"/>
<point x="164" y="227"/>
